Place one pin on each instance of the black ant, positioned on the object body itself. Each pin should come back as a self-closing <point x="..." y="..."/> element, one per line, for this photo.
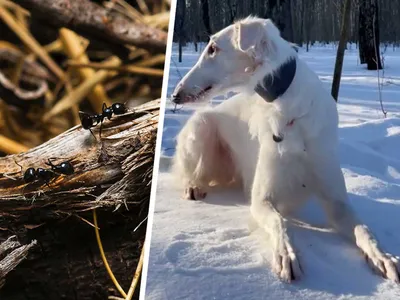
<point x="89" y="121"/>
<point x="32" y="174"/>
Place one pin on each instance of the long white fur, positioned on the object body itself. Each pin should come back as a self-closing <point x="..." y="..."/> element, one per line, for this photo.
<point x="232" y="142"/>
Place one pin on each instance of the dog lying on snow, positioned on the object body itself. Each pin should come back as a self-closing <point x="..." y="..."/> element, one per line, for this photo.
<point x="277" y="138"/>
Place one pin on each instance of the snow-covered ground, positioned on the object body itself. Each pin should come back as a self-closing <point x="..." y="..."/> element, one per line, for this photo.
<point x="206" y="250"/>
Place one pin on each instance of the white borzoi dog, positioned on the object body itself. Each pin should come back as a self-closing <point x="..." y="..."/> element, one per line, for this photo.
<point x="277" y="138"/>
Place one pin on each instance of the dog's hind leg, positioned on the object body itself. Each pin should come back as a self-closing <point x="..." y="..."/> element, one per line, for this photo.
<point x="285" y="262"/>
<point x="332" y="194"/>
<point x="200" y="155"/>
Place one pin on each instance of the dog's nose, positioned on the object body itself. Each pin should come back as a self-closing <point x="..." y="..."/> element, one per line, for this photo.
<point x="277" y="138"/>
<point x="176" y="98"/>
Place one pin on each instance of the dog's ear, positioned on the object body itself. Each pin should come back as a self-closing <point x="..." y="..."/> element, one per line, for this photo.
<point x="250" y="36"/>
<point x="255" y="37"/>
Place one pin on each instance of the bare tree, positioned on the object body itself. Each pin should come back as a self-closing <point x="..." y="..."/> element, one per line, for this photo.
<point x="300" y="21"/>
<point x="340" y="51"/>
<point x="179" y="31"/>
<point x="369" y="34"/>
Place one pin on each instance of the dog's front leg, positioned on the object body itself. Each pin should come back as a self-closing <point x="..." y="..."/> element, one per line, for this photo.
<point x="285" y="262"/>
<point x="333" y="196"/>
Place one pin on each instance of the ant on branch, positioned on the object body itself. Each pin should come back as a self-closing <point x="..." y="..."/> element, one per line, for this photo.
<point x="89" y="121"/>
<point x="32" y="174"/>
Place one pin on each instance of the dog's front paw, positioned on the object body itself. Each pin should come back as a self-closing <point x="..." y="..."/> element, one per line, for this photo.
<point x="194" y="193"/>
<point x="385" y="264"/>
<point x="286" y="264"/>
<point x="382" y="263"/>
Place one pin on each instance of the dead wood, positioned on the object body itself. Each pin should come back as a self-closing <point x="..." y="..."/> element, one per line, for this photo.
<point x="66" y="262"/>
<point x="94" y="21"/>
<point x="9" y="57"/>
<point x="108" y="174"/>
<point x="114" y="176"/>
<point x="11" y="254"/>
<point x="31" y="85"/>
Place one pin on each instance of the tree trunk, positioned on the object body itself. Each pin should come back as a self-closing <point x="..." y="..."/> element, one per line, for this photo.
<point x="340" y="51"/>
<point x="281" y="14"/>
<point x="286" y="10"/>
<point x="180" y="51"/>
<point x="196" y="43"/>
<point x="179" y="25"/>
<point x="232" y="7"/>
<point x="206" y="16"/>
<point x="369" y="34"/>
<point x="303" y="22"/>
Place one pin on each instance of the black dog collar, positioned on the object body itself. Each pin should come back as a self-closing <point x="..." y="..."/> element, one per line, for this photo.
<point x="272" y="86"/>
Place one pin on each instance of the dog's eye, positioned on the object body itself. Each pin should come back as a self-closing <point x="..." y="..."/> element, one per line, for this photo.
<point x="212" y="49"/>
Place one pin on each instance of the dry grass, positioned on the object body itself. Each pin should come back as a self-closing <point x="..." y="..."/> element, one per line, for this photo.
<point x="78" y="74"/>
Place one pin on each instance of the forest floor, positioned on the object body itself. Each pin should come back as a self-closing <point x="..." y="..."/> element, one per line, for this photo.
<point x="205" y="249"/>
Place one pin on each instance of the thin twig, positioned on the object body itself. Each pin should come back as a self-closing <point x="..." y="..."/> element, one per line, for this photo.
<point x="14" y="6"/>
<point x="135" y="279"/>
<point x="128" y="68"/>
<point x="10" y="146"/>
<point x="103" y="257"/>
<point x="27" y="38"/>
<point x="80" y="92"/>
<point x="136" y="228"/>
<point x="115" y="298"/>
<point x="72" y="46"/>
<point x="143" y="6"/>
<point x="155" y="60"/>
<point x="377" y="69"/>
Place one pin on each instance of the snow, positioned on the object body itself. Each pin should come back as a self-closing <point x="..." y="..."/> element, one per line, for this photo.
<point x="210" y="250"/>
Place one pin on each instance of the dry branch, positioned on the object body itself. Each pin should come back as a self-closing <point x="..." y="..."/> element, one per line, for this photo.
<point x="31" y="84"/>
<point x="10" y="55"/>
<point x="10" y="146"/>
<point x="127" y="68"/>
<point x="80" y="92"/>
<point x="15" y="253"/>
<point x="94" y="21"/>
<point x="30" y="42"/>
<point x="114" y="172"/>
<point x="75" y="51"/>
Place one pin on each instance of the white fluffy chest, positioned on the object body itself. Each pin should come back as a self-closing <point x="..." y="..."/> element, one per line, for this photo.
<point x="284" y="165"/>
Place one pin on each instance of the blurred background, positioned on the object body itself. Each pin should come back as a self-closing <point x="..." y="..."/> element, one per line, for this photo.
<point x="301" y="21"/>
<point x="61" y="57"/>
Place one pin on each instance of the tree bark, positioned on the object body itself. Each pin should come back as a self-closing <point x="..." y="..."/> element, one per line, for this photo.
<point x="369" y="34"/>
<point x="340" y="51"/>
